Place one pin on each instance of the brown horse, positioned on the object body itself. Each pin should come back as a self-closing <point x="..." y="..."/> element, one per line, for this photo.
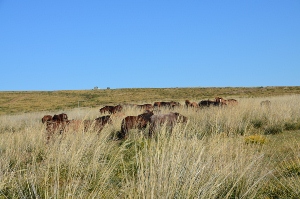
<point x="171" y="104"/>
<point x="46" y="118"/>
<point x="111" y="109"/>
<point x="134" y="122"/>
<point x="60" y="117"/>
<point x="145" y="106"/>
<point x="170" y="120"/>
<point x="97" y="124"/>
<point x="191" y="104"/>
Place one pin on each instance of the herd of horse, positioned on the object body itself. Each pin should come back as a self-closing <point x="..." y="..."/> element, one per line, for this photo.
<point x="60" y="123"/>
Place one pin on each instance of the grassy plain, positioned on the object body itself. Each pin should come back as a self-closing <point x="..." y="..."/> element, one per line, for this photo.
<point x="29" y="101"/>
<point x="245" y="151"/>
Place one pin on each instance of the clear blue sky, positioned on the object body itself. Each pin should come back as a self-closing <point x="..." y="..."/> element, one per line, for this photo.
<point x="74" y="45"/>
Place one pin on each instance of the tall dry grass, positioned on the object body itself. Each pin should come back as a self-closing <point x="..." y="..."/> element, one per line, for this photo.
<point x="246" y="151"/>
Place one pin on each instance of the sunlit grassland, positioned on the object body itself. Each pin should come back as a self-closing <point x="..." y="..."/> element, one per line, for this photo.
<point x="13" y="102"/>
<point x="245" y="151"/>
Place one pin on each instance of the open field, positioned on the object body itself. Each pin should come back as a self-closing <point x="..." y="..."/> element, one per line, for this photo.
<point x="244" y="151"/>
<point x="30" y="101"/>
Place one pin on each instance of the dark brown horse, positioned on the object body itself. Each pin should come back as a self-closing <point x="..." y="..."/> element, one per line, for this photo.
<point x="111" y="109"/>
<point x="97" y="124"/>
<point x="171" y="104"/>
<point x="46" y="118"/>
<point x="170" y="120"/>
<point x="134" y="122"/>
<point x="60" y="117"/>
<point x="145" y="106"/>
<point x="191" y="104"/>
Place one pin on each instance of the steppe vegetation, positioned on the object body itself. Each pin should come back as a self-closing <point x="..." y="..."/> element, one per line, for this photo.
<point x="244" y="151"/>
<point x="12" y="102"/>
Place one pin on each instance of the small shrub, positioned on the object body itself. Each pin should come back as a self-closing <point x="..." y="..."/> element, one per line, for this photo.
<point x="276" y="190"/>
<point x="255" y="139"/>
<point x="286" y="181"/>
<point x="8" y="192"/>
<point x="258" y="123"/>
<point x="241" y="130"/>
<point x="290" y="126"/>
<point x="40" y="157"/>
<point x="272" y="130"/>
<point x="291" y="168"/>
